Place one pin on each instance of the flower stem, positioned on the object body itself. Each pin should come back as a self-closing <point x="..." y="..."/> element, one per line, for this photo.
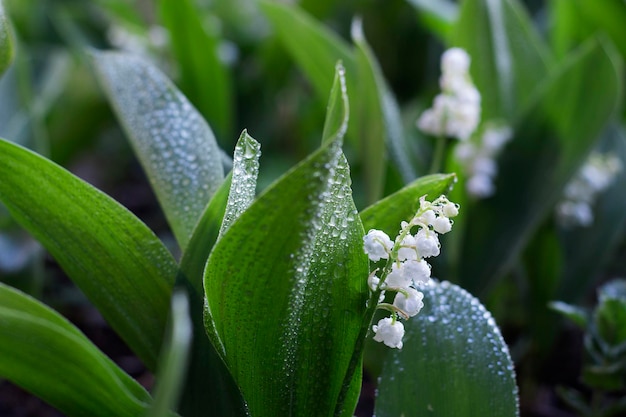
<point x="438" y="154"/>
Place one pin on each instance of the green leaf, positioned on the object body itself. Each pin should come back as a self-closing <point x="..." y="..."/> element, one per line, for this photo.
<point x="7" y="51"/>
<point x="551" y="141"/>
<point x="174" y="358"/>
<point x="111" y="255"/>
<point x="203" y="76"/>
<point x="454" y="362"/>
<point x="388" y="213"/>
<point x="338" y="109"/>
<point x="286" y="291"/>
<point x="371" y="127"/>
<point x="173" y="142"/>
<point x="315" y="48"/>
<point x="244" y="177"/>
<point x="608" y="16"/>
<point x="577" y="315"/>
<point x="46" y="355"/>
<point x="508" y="57"/>
<point x="220" y="395"/>
<point x="437" y="15"/>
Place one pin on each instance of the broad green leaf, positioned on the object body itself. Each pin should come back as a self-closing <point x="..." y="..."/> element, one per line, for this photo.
<point x="388" y="213"/>
<point x="46" y="355"/>
<point x="454" y="362"/>
<point x="6" y="41"/>
<point x="203" y="76"/>
<point x="588" y="249"/>
<point x="111" y="255"/>
<point x="174" y="358"/>
<point x="551" y="141"/>
<point x="173" y="142"/>
<point x="315" y="48"/>
<point x="338" y="108"/>
<point x="438" y="15"/>
<point x="508" y="57"/>
<point x="286" y="291"/>
<point x="608" y="16"/>
<point x="244" y="177"/>
<point x="210" y="390"/>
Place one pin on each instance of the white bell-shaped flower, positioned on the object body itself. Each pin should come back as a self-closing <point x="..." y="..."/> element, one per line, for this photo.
<point x="407" y="249"/>
<point x="397" y="278"/>
<point x="389" y="332"/>
<point x="416" y="271"/>
<point x="409" y="301"/>
<point x="427" y="243"/>
<point x="442" y="225"/>
<point x="377" y="245"/>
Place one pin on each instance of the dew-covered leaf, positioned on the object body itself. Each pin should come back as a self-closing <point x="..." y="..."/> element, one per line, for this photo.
<point x="388" y="213"/>
<point x="204" y="79"/>
<point x="113" y="257"/>
<point x="244" y="177"/>
<point x="6" y="41"/>
<point x="45" y="354"/>
<point x="454" y="362"/>
<point x="286" y="291"/>
<point x="210" y="389"/>
<point x="509" y="58"/>
<point x="173" y="142"/>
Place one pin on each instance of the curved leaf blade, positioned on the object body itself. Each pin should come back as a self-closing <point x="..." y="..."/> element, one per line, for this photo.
<point x="174" y="358"/>
<point x="203" y="76"/>
<point x="454" y="362"/>
<point x="220" y="396"/>
<point x="388" y="213"/>
<point x="173" y="142"/>
<point x="46" y="355"/>
<point x="7" y="51"/>
<point x="315" y="48"/>
<point x="288" y="334"/>
<point x="111" y="255"/>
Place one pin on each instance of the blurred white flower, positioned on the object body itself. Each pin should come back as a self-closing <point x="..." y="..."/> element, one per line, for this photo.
<point x="477" y="158"/>
<point x="595" y="176"/>
<point x="456" y="111"/>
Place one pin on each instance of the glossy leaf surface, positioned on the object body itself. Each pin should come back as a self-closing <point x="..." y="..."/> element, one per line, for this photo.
<point x="388" y="213"/>
<point x="286" y="291"/>
<point x="46" y="355"/>
<point x="173" y="142"/>
<point x="454" y="362"/>
<point x="118" y="262"/>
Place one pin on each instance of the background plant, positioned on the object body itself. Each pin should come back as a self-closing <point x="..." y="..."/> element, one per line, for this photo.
<point x="531" y="62"/>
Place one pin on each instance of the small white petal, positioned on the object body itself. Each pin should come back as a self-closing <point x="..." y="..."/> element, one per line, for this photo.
<point x="412" y="304"/>
<point x="389" y="332"/>
<point x="377" y="245"/>
<point x="442" y="225"/>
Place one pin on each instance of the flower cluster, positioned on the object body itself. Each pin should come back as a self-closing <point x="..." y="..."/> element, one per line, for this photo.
<point x="406" y="268"/>
<point x="595" y="176"/>
<point x="456" y="111"/>
<point x="477" y="157"/>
